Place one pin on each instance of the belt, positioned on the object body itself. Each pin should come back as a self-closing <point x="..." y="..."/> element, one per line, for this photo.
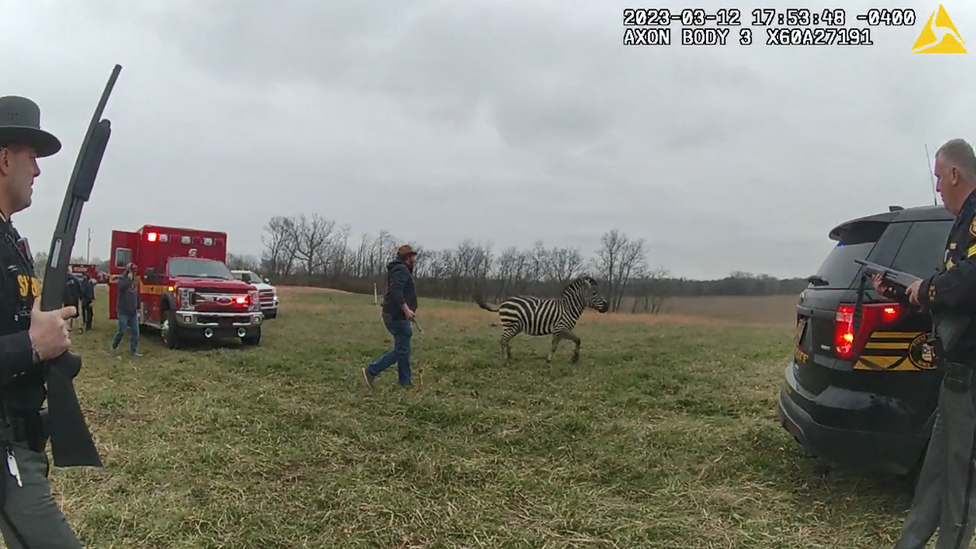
<point x="955" y="364"/>
<point x="28" y="426"/>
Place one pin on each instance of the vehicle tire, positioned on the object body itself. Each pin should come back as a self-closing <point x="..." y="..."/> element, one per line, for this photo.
<point x="170" y="331"/>
<point x="252" y="339"/>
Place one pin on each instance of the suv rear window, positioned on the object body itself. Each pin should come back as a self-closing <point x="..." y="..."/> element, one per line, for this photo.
<point x="922" y="251"/>
<point x="838" y="270"/>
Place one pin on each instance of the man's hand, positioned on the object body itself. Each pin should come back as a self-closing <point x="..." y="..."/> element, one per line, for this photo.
<point x="879" y="283"/>
<point x="49" y="331"/>
<point x="407" y="312"/>
<point x="912" y="292"/>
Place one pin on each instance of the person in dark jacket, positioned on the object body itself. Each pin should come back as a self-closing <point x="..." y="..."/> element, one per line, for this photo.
<point x="127" y="309"/>
<point x="29" y="516"/>
<point x="945" y="494"/>
<point x="399" y="308"/>
<point x="72" y="295"/>
<point x="87" y="297"/>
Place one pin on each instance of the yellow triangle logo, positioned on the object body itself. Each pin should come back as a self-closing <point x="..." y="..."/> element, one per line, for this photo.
<point x="940" y="35"/>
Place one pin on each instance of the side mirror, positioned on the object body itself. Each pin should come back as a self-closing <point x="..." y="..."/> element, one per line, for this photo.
<point x="266" y="281"/>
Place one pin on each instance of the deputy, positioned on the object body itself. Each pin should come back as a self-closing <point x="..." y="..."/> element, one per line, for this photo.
<point x="29" y="517"/>
<point x="944" y="492"/>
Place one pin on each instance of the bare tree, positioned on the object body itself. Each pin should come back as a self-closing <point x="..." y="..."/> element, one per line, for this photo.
<point x="653" y="290"/>
<point x="632" y="263"/>
<point x="279" y="246"/>
<point x="565" y="264"/>
<point x="311" y="236"/>
<point x="607" y="260"/>
<point x="243" y="262"/>
<point x="315" y="251"/>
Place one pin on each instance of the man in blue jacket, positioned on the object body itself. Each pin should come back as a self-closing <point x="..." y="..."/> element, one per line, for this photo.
<point x="127" y="309"/>
<point x="399" y="307"/>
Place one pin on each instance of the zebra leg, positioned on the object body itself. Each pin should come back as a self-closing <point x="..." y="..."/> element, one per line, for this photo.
<point x="575" y="339"/>
<point x="505" y="342"/>
<point x="556" y="338"/>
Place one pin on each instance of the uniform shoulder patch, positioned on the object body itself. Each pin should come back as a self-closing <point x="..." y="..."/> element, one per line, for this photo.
<point x="972" y="226"/>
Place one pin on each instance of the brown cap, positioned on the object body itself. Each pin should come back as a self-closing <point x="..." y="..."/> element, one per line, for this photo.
<point x="405" y="251"/>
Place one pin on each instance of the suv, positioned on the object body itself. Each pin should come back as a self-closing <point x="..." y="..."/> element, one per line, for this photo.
<point x="267" y="294"/>
<point x="866" y="400"/>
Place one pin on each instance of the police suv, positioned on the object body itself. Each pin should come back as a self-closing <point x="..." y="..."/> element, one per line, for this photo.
<point x="866" y="400"/>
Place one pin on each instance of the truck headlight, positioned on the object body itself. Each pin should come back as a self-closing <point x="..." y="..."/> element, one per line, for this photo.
<point x="255" y="302"/>
<point x="186" y="299"/>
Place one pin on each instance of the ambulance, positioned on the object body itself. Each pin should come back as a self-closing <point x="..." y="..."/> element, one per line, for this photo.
<point x="100" y="277"/>
<point x="186" y="290"/>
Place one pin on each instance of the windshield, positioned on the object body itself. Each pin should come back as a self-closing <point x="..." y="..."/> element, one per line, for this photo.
<point x="199" y="268"/>
<point x="248" y="276"/>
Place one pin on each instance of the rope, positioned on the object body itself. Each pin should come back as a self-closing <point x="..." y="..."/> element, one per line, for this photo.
<point x="420" y="352"/>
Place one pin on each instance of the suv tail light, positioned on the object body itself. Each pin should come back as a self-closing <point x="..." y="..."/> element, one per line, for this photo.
<point x="847" y="344"/>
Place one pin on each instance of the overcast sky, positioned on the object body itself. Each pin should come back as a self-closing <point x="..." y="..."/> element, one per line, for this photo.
<point x="496" y="120"/>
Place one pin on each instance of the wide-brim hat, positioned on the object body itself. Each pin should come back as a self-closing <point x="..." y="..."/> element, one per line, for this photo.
<point x="20" y="124"/>
<point x="405" y="251"/>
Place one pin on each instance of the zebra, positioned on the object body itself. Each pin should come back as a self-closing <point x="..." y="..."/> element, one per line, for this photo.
<point x="538" y="316"/>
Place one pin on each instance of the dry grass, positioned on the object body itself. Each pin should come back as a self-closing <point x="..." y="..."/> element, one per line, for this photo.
<point x="663" y="436"/>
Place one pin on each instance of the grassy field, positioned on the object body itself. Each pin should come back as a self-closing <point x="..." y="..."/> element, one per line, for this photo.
<point x="664" y="435"/>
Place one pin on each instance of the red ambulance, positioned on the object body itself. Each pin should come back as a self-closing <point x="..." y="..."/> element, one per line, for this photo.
<point x="185" y="288"/>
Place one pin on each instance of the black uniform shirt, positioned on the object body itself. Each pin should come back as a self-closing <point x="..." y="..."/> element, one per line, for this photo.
<point x="953" y="288"/>
<point x="21" y="381"/>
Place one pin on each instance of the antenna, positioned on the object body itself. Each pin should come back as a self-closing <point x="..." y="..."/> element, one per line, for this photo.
<point x="928" y="166"/>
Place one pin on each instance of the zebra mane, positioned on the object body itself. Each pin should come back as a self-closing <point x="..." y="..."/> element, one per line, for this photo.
<point x="574" y="286"/>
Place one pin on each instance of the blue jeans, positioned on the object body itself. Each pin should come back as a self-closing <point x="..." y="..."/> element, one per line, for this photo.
<point x="132" y="323"/>
<point x="402" y="331"/>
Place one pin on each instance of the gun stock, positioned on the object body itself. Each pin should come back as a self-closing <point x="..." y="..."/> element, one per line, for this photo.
<point x="71" y="440"/>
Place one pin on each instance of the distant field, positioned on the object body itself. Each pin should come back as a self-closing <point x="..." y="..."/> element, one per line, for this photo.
<point x="663" y="436"/>
<point x="773" y="308"/>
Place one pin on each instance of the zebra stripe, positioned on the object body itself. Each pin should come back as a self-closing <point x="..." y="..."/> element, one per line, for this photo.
<point x="537" y="316"/>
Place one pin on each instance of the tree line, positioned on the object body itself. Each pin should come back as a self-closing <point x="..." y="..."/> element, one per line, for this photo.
<point x="311" y="250"/>
<point x="316" y="251"/>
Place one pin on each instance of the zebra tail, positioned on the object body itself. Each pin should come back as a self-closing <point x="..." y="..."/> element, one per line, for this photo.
<point x="481" y="303"/>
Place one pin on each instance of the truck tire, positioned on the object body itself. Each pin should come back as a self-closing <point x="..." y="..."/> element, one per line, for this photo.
<point x="252" y="339"/>
<point x="170" y="330"/>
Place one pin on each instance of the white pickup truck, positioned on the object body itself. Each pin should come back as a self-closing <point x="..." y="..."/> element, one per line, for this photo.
<point x="267" y="294"/>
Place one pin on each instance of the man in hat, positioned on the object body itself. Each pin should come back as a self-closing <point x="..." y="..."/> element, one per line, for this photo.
<point x="945" y="499"/>
<point x="127" y="309"/>
<point x="399" y="307"/>
<point x="29" y="517"/>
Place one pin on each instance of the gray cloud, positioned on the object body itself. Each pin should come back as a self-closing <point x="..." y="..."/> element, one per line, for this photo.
<point x="503" y="121"/>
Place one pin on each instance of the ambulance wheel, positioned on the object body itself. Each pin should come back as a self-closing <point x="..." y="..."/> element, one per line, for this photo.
<point x="252" y="339"/>
<point x="170" y="331"/>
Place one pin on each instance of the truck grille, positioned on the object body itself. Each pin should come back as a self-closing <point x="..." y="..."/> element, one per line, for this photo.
<point x="218" y="301"/>
<point x="266" y="298"/>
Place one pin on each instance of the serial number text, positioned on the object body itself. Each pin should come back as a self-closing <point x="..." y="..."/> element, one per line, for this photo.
<point x="817" y="37"/>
